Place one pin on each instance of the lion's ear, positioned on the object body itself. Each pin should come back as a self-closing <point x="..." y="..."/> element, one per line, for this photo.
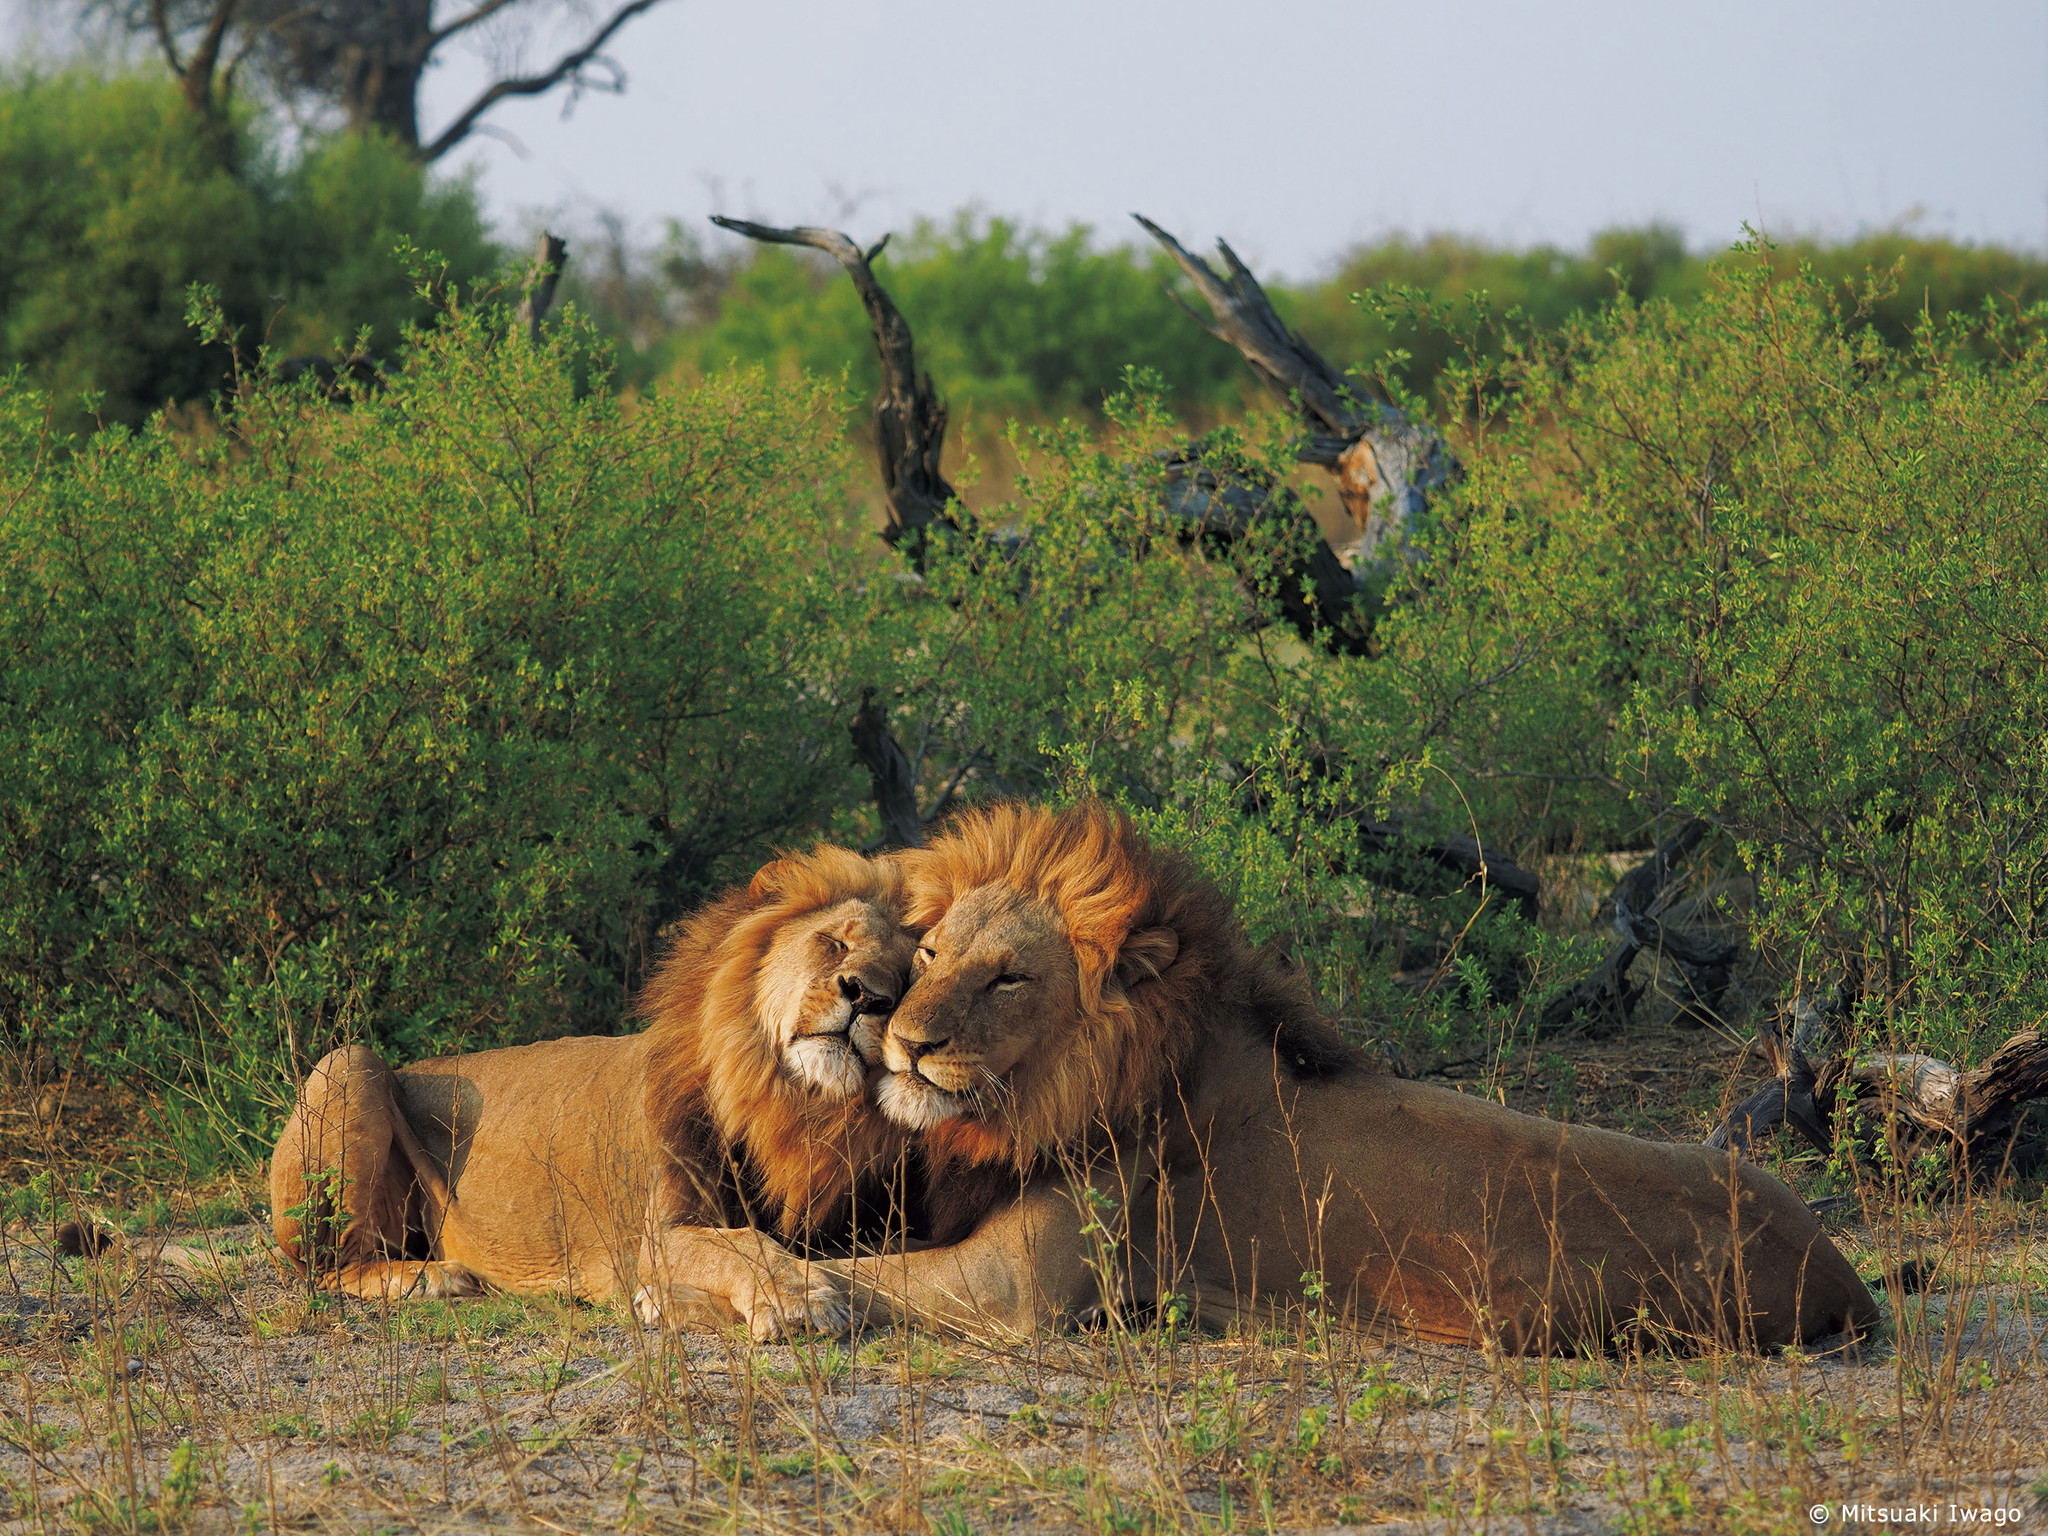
<point x="768" y="879"/>
<point x="1146" y="955"/>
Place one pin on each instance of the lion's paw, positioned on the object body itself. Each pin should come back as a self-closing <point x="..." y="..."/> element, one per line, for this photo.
<point x="809" y="1301"/>
<point x="444" y="1282"/>
<point x="647" y="1306"/>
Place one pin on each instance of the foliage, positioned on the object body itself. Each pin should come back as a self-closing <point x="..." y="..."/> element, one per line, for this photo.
<point x="1023" y="322"/>
<point x="1475" y="296"/>
<point x="414" y="718"/>
<point x="115" y="203"/>
<point x="1742" y="559"/>
<point x="1011" y="321"/>
<point x="411" y="719"/>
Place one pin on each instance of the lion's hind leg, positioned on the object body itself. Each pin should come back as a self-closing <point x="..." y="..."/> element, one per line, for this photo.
<point x="344" y="1199"/>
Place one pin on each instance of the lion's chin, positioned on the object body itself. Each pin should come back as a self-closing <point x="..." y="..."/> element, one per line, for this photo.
<point x="865" y="1036"/>
<point x="915" y="1104"/>
<point x="827" y="1064"/>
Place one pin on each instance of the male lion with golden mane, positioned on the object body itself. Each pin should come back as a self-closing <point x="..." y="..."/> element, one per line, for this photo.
<point x="667" y="1163"/>
<point x="1086" y="1006"/>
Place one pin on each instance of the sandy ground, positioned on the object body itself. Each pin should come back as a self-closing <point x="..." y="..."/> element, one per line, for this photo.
<point x="230" y="1398"/>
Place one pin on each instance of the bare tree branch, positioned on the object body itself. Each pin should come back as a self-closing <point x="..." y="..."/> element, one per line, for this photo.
<point x="533" y="85"/>
<point x="910" y="419"/>
<point x="196" y="74"/>
<point x="483" y="12"/>
<point x="160" y="19"/>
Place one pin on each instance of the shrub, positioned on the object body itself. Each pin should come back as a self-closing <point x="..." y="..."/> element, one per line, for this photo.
<point x="114" y="203"/>
<point x="1745" y="560"/>
<point x="413" y="719"/>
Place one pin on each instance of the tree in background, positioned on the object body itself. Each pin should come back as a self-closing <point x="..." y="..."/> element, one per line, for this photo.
<point x="1014" y="321"/>
<point x="1017" y="321"/>
<point x="114" y="208"/>
<point x="362" y="61"/>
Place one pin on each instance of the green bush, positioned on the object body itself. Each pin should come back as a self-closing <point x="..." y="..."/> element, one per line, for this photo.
<point x="1742" y="559"/>
<point x="412" y="720"/>
<point x="115" y="202"/>
<point x="1010" y="321"/>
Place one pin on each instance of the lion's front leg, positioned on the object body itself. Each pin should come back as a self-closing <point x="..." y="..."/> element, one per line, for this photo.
<point x="1037" y="1263"/>
<point x="406" y="1279"/>
<point x="341" y="1185"/>
<point x="708" y="1277"/>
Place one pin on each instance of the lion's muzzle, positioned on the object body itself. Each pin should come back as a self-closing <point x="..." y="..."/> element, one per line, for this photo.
<point x="865" y="999"/>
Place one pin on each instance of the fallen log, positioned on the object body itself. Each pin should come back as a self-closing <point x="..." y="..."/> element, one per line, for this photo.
<point x="1977" y="1113"/>
<point x="1922" y="1102"/>
<point x="1466" y="859"/>
<point x="1606" y="998"/>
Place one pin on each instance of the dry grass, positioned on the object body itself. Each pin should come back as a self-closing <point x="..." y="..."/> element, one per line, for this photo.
<point x="231" y="1398"/>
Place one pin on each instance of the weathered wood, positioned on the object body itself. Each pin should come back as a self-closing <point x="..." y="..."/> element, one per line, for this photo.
<point x="1315" y="592"/>
<point x="890" y="774"/>
<point x="910" y="419"/>
<point x="1386" y="466"/>
<point x="1606" y="998"/>
<point x="550" y="255"/>
<point x="1978" y="1111"/>
<point x="1975" y="1115"/>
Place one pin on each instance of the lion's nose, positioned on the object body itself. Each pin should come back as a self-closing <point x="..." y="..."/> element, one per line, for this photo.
<point x="855" y="991"/>
<point x="917" y="1050"/>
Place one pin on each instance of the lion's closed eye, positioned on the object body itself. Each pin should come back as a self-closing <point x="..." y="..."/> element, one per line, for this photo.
<point x="1007" y="982"/>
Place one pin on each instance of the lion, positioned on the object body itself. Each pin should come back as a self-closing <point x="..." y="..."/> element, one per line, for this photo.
<point x="680" y="1164"/>
<point x="1088" y="1012"/>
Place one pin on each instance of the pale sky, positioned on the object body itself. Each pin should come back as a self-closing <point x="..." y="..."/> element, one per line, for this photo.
<point x="1298" y="127"/>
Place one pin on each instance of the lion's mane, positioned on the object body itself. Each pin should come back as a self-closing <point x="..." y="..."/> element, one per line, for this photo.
<point x="715" y="1094"/>
<point x="1135" y="1040"/>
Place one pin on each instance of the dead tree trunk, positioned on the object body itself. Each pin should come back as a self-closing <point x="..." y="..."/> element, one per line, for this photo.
<point x="890" y="774"/>
<point x="1315" y="592"/>
<point x="550" y="255"/>
<point x="1386" y="466"/>
<point x="910" y="419"/>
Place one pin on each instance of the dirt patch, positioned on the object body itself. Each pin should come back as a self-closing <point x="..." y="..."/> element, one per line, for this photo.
<point x="220" y="1395"/>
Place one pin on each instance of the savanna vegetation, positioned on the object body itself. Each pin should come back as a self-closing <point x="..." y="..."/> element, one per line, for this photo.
<point x="412" y="712"/>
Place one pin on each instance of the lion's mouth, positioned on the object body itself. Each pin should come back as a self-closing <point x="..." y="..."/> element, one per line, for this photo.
<point x="836" y="1053"/>
<point x="848" y="1019"/>
<point x="929" y="1092"/>
<point x="916" y="1103"/>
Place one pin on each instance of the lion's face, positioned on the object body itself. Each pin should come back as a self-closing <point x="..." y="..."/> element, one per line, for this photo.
<point x="827" y="983"/>
<point x="997" y="985"/>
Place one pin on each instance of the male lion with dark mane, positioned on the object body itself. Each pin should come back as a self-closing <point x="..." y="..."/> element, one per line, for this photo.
<point x="1087" y="1007"/>
<point x="667" y="1163"/>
